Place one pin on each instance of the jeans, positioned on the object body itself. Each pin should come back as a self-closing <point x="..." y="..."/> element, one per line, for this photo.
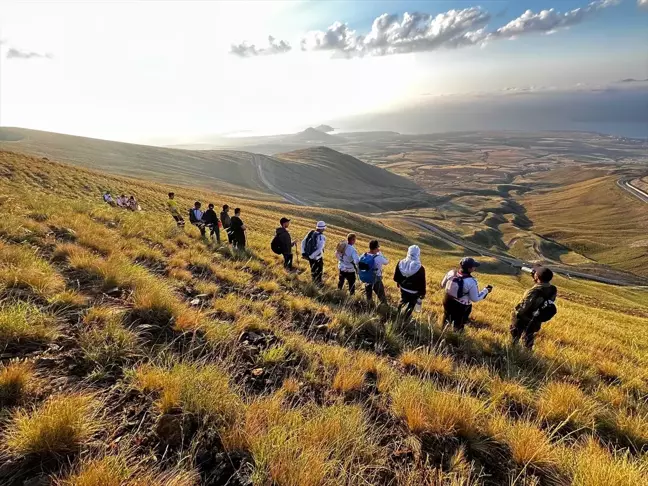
<point x="379" y="288"/>
<point x="288" y="258"/>
<point x="408" y="302"/>
<point x="456" y="313"/>
<point x="317" y="269"/>
<point x="350" y="277"/>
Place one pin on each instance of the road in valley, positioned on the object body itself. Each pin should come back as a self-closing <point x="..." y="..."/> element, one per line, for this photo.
<point x="459" y="241"/>
<point x="635" y="191"/>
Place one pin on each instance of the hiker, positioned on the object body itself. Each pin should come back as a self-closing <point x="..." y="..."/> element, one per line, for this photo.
<point x="348" y="260"/>
<point x="461" y="291"/>
<point x="172" y="204"/>
<point x="537" y="306"/>
<point x="132" y="204"/>
<point x="210" y="218"/>
<point x="122" y="201"/>
<point x="312" y="248"/>
<point x="108" y="199"/>
<point x="282" y="243"/>
<point x="237" y="229"/>
<point x="195" y="218"/>
<point x="226" y="221"/>
<point x="370" y="272"/>
<point x="410" y="278"/>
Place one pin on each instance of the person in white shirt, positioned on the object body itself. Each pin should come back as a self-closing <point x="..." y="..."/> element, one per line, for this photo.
<point x="377" y="285"/>
<point x="195" y="218"/>
<point x="348" y="264"/>
<point x="312" y="248"/>
<point x="461" y="291"/>
<point x="122" y="201"/>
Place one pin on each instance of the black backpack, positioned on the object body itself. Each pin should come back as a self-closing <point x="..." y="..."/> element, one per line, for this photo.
<point x="546" y="312"/>
<point x="275" y="245"/>
<point x="310" y="246"/>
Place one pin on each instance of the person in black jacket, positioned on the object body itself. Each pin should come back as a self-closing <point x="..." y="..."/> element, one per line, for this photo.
<point x="237" y="229"/>
<point x="410" y="278"/>
<point x="226" y="220"/>
<point x="210" y="218"/>
<point x="526" y="321"/>
<point x="285" y="242"/>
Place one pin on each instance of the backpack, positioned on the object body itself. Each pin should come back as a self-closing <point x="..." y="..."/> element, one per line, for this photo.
<point x="546" y="312"/>
<point x="310" y="246"/>
<point x="275" y="245"/>
<point x="455" y="287"/>
<point x="192" y="216"/>
<point x="367" y="267"/>
<point x="340" y="249"/>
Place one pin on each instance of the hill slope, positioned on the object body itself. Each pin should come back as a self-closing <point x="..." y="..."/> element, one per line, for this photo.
<point x="316" y="180"/>
<point x="133" y="350"/>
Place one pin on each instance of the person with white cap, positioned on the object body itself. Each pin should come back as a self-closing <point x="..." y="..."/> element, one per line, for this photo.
<point x="461" y="291"/>
<point x="410" y="278"/>
<point x="312" y="248"/>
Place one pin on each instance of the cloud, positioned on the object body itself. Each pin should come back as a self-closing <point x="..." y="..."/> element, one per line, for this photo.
<point x="14" y="53"/>
<point x="548" y="21"/>
<point x="419" y="32"/>
<point x="642" y="4"/>
<point x="250" y="50"/>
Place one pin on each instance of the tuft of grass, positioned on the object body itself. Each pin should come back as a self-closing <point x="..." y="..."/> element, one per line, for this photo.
<point x="16" y="380"/>
<point x="428" y="362"/>
<point x="528" y="444"/>
<point x="593" y="465"/>
<point x="564" y="402"/>
<point x="204" y="390"/>
<point x="105" y="342"/>
<point x="426" y="409"/>
<point x="60" y="425"/>
<point x="273" y="355"/>
<point x="23" y="323"/>
<point x="121" y="470"/>
<point x="68" y="299"/>
<point x="21" y="267"/>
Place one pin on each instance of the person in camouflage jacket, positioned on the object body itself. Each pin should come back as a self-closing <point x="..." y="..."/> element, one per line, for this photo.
<point x="525" y="322"/>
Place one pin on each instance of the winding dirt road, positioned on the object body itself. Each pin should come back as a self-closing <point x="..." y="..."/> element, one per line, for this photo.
<point x="257" y="160"/>
<point x="624" y="184"/>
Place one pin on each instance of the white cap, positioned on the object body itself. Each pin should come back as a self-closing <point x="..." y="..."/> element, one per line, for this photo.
<point x="321" y="225"/>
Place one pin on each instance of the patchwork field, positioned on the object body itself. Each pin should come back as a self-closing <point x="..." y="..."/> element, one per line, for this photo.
<point x="135" y="353"/>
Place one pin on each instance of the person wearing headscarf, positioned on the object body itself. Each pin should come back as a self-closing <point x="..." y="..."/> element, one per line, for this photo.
<point x="410" y="279"/>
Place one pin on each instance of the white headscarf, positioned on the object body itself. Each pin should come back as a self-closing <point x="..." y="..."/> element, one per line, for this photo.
<point x="410" y="265"/>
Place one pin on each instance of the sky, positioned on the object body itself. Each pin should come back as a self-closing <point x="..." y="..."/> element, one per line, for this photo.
<point x="173" y="72"/>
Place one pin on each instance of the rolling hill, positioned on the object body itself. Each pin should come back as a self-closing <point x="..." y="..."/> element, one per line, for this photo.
<point x="317" y="176"/>
<point x="136" y="352"/>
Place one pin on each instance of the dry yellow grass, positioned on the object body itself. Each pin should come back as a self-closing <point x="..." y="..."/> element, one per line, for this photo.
<point x="17" y="378"/>
<point x="22" y="322"/>
<point x="62" y="424"/>
<point x="427" y="361"/>
<point x="565" y="402"/>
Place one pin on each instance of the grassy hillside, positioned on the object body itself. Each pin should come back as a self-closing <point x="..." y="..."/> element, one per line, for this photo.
<point x="595" y="218"/>
<point x="134" y="353"/>
<point x="322" y="176"/>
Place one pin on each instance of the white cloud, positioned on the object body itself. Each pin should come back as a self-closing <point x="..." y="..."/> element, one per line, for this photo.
<point x="418" y="32"/>
<point x="247" y="50"/>
<point x="14" y="53"/>
<point x="547" y="21"/>
<point x="642" y="3"/>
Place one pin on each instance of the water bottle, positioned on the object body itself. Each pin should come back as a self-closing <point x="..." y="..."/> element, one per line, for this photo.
<point x="419" y="304"/>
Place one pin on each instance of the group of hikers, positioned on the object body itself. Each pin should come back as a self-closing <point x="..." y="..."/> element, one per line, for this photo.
<point x="460" y="285"/>
<point x="122" y="201"/>
<point x="210" y="220"/>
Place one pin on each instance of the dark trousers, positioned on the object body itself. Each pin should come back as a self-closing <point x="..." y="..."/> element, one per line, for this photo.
<point x="288" y="257"/>
<point x="407" y="304"/>
<point x="378" y="288"/>
<point x="230" y="237"/>
<point x="317" y="269"/>
<point x="201" y="227"/>
<point x="350" y="277"/>
<point x="214" y="230"/>
<point x="456" y="313"/>
<point x="523" y="326"/>
<point x="178" y="219"/>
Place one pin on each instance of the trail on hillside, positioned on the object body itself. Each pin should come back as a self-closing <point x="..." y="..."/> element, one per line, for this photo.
<point x="256" y="159"/>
